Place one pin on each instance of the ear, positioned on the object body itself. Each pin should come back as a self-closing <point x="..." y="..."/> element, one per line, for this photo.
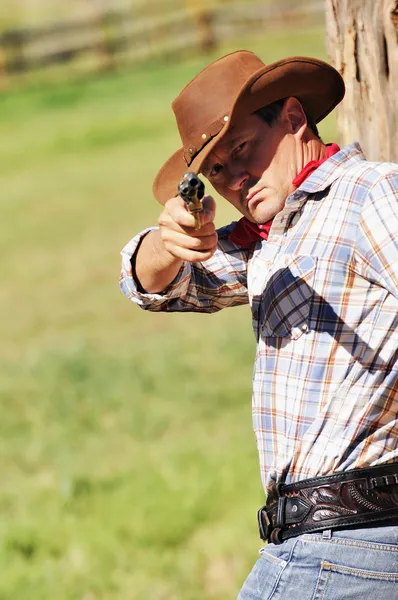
<point x="295" y="116"/>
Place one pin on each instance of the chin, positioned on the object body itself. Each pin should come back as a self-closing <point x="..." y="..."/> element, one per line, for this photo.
<point x="264" y="212"/>
<point x="262" y="216"/>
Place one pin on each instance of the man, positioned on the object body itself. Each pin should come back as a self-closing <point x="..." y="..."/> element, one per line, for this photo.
<point x="316" y="256"/>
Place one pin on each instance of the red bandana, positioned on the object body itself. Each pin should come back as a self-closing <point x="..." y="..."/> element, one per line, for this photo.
<point x="245" y="233"/>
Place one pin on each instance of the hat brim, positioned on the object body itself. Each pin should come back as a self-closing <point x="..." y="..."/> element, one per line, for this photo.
<point x="316" y="84"/>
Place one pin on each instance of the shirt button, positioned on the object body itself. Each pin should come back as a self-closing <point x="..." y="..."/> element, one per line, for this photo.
<point x="304" y="327"/>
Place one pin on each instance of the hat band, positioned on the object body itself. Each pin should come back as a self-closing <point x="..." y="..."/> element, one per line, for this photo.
<point x="208" y="134"/>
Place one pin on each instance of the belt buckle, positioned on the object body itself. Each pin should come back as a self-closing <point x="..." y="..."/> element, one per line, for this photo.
<point x="268" y="533"/>
<point x="264" y="524"/>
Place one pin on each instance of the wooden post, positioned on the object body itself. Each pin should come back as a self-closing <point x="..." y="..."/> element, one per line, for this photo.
<point x="3" y="68"/>
<point x="14" y="51"/>
<point x="362" y="40"/>
<point x="206" y="35"/>
<point x="100" y="12"/>
<point x="108" y="35"/>
<point x="202" y="13"/>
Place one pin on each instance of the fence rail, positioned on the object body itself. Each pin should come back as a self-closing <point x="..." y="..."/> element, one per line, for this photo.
<point x="114" y="36"/>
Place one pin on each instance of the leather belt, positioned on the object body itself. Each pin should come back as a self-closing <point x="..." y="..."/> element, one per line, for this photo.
<point x="358" y="497"/>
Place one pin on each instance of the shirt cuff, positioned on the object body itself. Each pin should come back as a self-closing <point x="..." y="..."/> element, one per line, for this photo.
<point x="130" y="286"/>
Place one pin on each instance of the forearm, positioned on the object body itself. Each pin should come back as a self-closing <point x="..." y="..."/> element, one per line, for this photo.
<point x="180" y="268"/>
<point x="155" y="268"/>
<point x="208" y="286"/>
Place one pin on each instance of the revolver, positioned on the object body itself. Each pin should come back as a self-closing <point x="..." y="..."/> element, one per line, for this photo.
<point x="192" y="189"/>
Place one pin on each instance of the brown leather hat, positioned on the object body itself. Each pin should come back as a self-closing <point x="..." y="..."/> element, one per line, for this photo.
<point x="239" y="84"/>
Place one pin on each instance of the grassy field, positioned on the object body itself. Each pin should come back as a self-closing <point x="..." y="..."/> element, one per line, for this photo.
<point x="128" y="463"/>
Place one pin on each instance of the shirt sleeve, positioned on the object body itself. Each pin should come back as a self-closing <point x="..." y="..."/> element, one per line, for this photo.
<point x="377" y="241"/>
<point x="207" y="286"/>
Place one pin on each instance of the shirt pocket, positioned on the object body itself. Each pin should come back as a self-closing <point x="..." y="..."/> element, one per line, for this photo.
<point x="287" y="297"/>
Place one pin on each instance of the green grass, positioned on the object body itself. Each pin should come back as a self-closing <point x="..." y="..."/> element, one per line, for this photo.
<point x="128" y="463"/>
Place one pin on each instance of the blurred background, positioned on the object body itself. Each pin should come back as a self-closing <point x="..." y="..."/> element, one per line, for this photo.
<point x="128" y="464"/>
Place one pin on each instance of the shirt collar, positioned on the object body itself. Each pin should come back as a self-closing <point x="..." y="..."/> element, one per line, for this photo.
<point x="329" y="171"/>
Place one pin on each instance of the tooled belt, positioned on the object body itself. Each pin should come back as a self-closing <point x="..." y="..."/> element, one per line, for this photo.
<point x="358" y="497"/>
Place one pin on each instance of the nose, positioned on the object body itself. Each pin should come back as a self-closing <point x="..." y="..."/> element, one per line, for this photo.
<point x="238" y="177"/>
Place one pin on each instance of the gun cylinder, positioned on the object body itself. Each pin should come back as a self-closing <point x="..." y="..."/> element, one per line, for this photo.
<point x="192" y="189"/>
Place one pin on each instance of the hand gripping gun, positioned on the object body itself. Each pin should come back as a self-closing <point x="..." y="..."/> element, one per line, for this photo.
<point x="192" y="189"/>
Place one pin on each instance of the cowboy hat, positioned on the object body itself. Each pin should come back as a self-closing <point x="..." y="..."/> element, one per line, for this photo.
<point x="239" y="84"/>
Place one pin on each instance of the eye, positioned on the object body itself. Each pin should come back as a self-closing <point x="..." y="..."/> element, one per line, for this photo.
<point x="239" y="148"/>
<point x="215" y="170"/>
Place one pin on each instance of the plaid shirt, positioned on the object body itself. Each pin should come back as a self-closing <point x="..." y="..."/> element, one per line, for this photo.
<point x="324" y="297"/>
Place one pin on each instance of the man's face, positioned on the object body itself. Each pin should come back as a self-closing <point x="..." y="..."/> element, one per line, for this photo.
<point x="253" y="166"/>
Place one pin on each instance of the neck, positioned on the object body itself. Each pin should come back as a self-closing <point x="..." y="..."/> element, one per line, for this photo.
<point x="311" y="149"/>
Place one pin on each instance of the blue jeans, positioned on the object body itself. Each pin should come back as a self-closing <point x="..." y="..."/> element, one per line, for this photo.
<point x="355" y="564"/>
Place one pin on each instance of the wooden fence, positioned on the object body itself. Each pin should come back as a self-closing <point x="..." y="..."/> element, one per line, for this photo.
<point x="110" y="38"/>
